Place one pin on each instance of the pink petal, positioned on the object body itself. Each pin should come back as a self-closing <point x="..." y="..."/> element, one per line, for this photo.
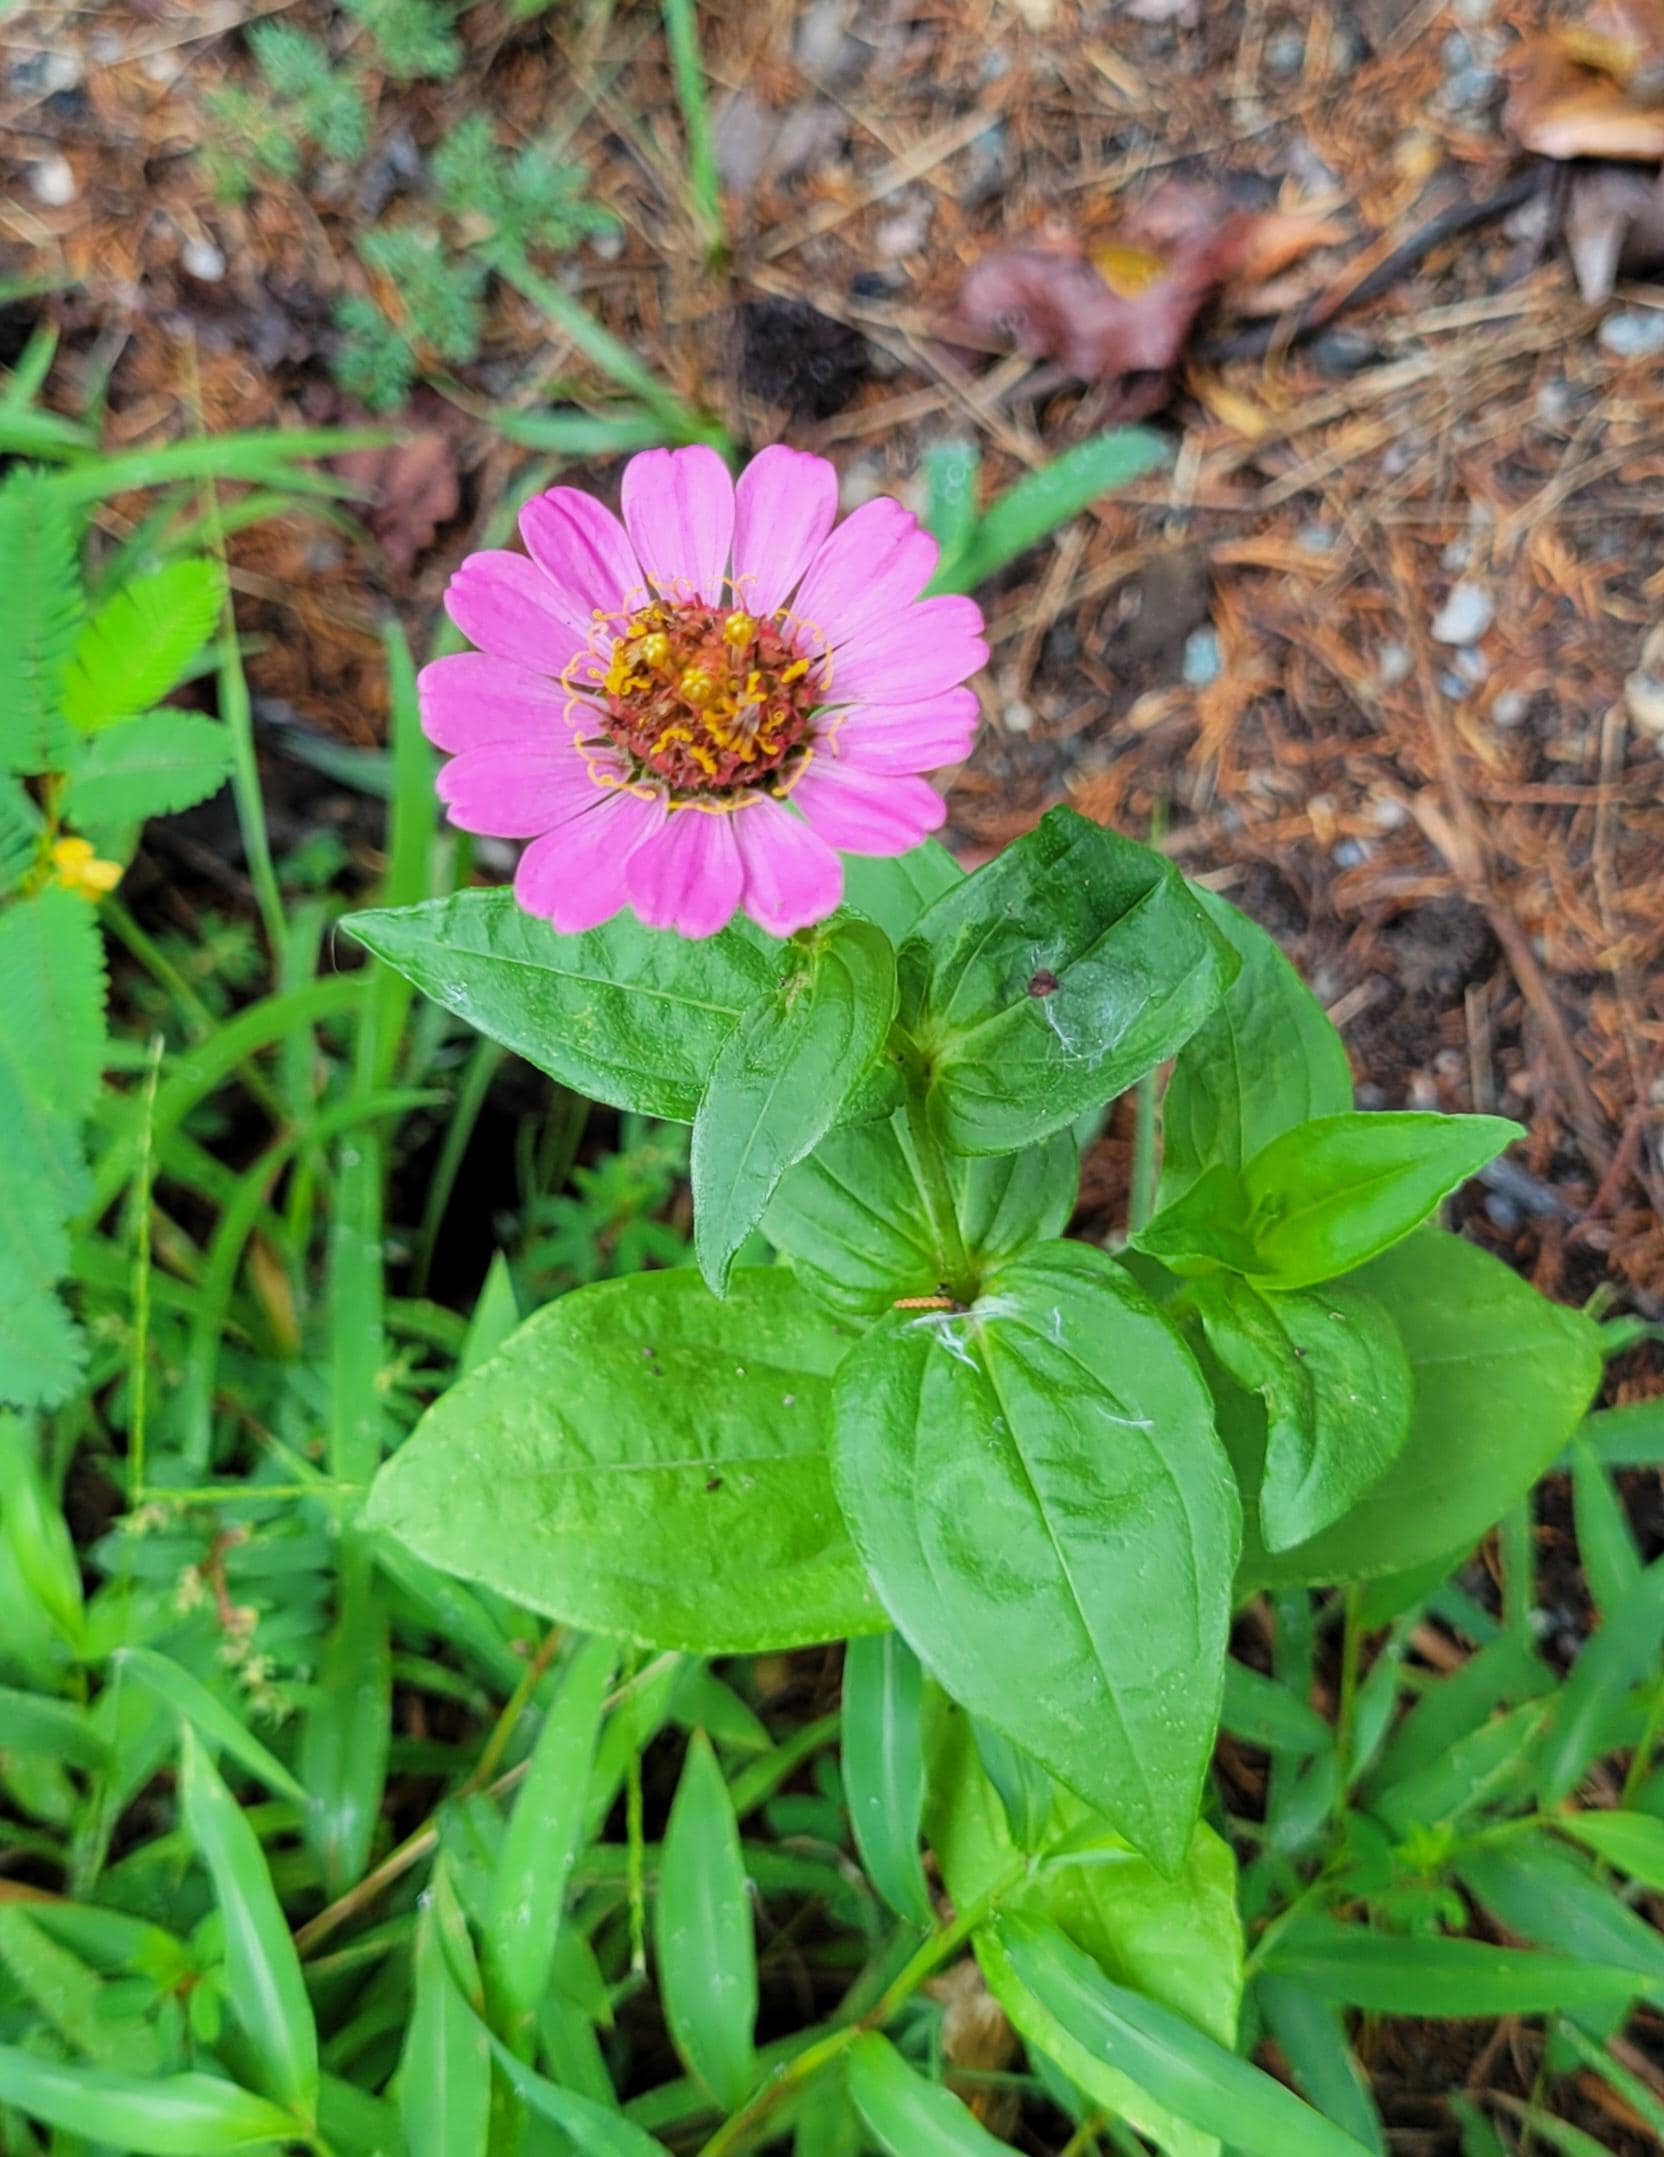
<point x="784" y="506"/>
<point x="574" y="877"/>
<point x="507" y="606"/>
<point x="792" y="878"/>
<point x="864" y="812"/>
<point x="878" y="561"/>
<point x="516" y="793"/>
<point x="679" y="510"/>
<point x="583" y="550"/>
<point x="688" y="876"/>
<point x="471" y="700"/>
<point x="897" y="738"/>
<point x="912" y="655"/>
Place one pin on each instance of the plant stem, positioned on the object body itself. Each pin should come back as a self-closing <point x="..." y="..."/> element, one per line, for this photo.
<point x="957" y="1276"/>
<point x="734" y="2133"/>
<point x="681" y="31"/>
<point x="1351" y="1650"/>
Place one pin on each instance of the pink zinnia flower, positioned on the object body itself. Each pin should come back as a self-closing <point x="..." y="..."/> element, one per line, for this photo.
<point x="695" y="711"/>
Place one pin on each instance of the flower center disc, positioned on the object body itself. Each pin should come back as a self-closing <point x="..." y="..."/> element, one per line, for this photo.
<point x="708" y="698"/>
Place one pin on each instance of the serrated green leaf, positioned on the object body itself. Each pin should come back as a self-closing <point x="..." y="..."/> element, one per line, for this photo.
<point x="40" y="617"/>
<point x="43" y="1352"/>
<point x="133" y="648"/>
<point x="20" y="826"/>
<point x="647" y="1461"/>
<point x="153" y="765"/>
<point x="52" y="992"/>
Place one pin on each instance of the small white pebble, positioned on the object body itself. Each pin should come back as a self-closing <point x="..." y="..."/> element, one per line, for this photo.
<point x="1394" y="664"/>
<point x="1465" y="615"/>
<point x="1644" y="695"/>
<point x="1390" y="814"/>
<point x="203" y="260"/>
<point x="1510" y="708"/>
<point x="1019" y="717"/>
<point x="1637" y="335"/>
<point x="52" y="182"/>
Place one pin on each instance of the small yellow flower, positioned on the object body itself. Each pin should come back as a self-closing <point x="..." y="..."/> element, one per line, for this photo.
<point x="77" y="868"/>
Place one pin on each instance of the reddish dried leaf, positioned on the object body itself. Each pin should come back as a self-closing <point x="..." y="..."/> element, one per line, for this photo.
<point x="413" y="489"/>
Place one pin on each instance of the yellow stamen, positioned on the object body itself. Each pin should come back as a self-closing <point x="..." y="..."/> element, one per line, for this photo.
<point x="738" y="629"/>
<point x="697" y="687"/>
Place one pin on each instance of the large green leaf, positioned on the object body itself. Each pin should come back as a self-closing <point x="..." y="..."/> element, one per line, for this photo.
<point x="853" y="1219"/>
<point x="40" y="616"/>
<point x="883" y="1768"/>
<point x="1501" y="1377"/>
<point x="1047" y="1514"/>
<point x="1438" y="1976"/>
<point x="134" y="647"/>
<point x="1264" y="1060"/>
<point x="1071" y="964"/>
<point x="781" y="1079"/>
<point x="1187" y="2071"/>
<point x="1333" y="1375"/>
<point x="1329" y="1195"/>
<point x="628" y="1015"/>
<point x="647" y="1461"/>
<point x="167" y="2116"/>
<point x="154" y="765"/>
<point x="910" y="2116"/>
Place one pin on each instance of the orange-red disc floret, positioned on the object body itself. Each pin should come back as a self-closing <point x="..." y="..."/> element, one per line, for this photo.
<point x="710" y="699"/>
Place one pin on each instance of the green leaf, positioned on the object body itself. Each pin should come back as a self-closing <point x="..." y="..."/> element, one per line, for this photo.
<point x="32" y="1526"/>
<point x="165" y="2116"/>
<point x="1545" y="1894"/>
<point x="895" y="889"/>
<point x="1331" y="1194"/>
<point x="781" y="1079"/>
<point x="1262" y="1712"/>
<point x="1038" y="1493"/>
<point x="703" y="1933"/>
<point x="1623" y="1653"/>
<point x="1631" y="1841"/>
<point x="212" y="1720"/>
<point x="52" y="992"/>
<point x="445" y="2067"/>
<point x="1071" y="964"/>
<point x="20" y="829"/>
<point x="1177" y="1940"/>
<point x="1040" y="501"/>
<point x="1180" y="2066"/>
<point x="951" y="471"/>
<point x="343" y="1752"/>
<point x="1437" y="1976"/>
<point x="44" y="1352"/>
<point x="646" y="1461"/>
<point x="1263" y="1061"/>
<point x="1501" y="1378"/>
<point x="1311" y="2036"/>
<point x="855" y="1223"/>
<point x="592" y="2129"/>
<point x="31" y="1723"/>
<point x="883" y="1764"/>
<point x="545" y="1831"/>
<point x="631" y="1016"/>
<point x="72" y="1999"/>
<point x="262" y="1970"/>
<point x="150" y="766"/>
<point x="909" y="2116"/>
<point x="133" y="648"/>
<point x="40" y="616"/>
<point x="1336" y="1385"/>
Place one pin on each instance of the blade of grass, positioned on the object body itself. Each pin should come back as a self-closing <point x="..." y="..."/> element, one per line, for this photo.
<point x="681" y="29"/>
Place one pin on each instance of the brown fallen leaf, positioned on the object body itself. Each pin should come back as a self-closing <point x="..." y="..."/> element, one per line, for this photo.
<point x="1594" y="88"/>
<point x="412" y="485"/>
<point x="1123" y="308"/>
